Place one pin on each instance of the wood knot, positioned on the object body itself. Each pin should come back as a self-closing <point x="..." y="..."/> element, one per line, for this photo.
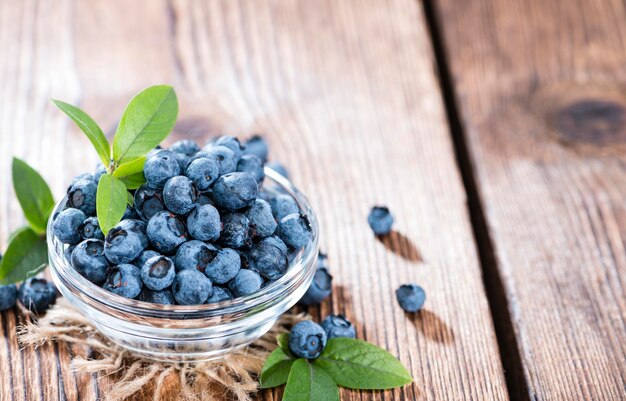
<point x="592" y="121"/>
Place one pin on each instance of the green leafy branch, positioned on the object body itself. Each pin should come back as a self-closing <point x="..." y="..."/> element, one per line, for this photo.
<point x="345" y="362"/>
<point x="146" y="121"/>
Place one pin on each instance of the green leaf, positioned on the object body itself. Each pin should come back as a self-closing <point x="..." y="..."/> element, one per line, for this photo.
<point x="283" y="340"/>
<point x="276" y="368"/>
<point x="111" y="202"/>
<point x="26" y="255"/>
<point x="90" y="128"/>
<point x="130" y="199"/>
<point x="356" y="364"/>
<point x="33" y="193"/>
<point x="307" y="382"/>
<point x="147" y="120"/>
<point x="131" y="173"/>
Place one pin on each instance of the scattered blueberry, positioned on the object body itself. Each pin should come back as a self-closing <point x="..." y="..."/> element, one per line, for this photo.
<point x="307" y="339"/>
<point x="204" y="223"/>
<point x="224" y="266"/>
<point x="283" y="205"/>
<point x="82" y="195"/>
<point x="66" y="226"/>
<point x="295" y="230"/>
<point x="163" y="297"/>
<point x="194" y="255"/>
<point x="219" y="294"/>
<point x="90" y="229"/>
<point x="269" y="257"/>
<point x="320" y="288"/>
<point x="246" y="282"/>
<point x="261" y="219"/>
<point x="191" y="287"/>
<point x="124" y="280"/>
<point x="411" y="297"/>
<point x="148" y="202"/>
<point x="236" y="230"/>
<point x="279" y="168"/>
<point x="125" y="241"/>
<point x="158" y="273"/>
<point x="235" y="191"/>
<point x="380" y="220"/>
<point x="166" y="232"/>
<point x="225" y="158"/>
<point x="179" y="195"/>
<point x="8" y="296"/>
<point x="257" y="146"/>
<point x="338" y="326"/>
<point x="37" y="294"/>
<point x="160" y="167"/>
<point x="203" y="172"/>
<point x="252" y="165"/>
<point x="88" y="259"/>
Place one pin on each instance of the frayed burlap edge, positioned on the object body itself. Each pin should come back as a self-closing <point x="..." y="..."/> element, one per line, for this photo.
<point x="128" y="374"/>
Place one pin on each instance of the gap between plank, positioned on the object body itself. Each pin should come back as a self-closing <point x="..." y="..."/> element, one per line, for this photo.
<point x="516" y="383"/>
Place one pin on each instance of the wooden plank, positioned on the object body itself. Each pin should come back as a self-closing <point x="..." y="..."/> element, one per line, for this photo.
<point x="540" y="91"/>
<point x="346" y="94"/>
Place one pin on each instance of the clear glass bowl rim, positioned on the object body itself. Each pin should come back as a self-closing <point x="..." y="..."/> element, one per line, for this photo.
<point x="98" y="295"/>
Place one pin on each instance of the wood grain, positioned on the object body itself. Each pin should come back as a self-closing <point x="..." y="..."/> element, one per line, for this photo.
<point x="540" y="91"/>
<point x="347" y="95"/>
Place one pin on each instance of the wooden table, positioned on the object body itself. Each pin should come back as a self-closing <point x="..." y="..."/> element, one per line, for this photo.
<point x="494" y="130"/>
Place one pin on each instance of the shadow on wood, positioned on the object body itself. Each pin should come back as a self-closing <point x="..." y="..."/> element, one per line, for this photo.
<point x="401" y="245"/>
<point x="432" y="326"/>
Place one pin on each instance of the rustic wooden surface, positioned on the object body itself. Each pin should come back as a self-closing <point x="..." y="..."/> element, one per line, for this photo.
<point x="347" y="94"/>
<point x="539" y="88"/>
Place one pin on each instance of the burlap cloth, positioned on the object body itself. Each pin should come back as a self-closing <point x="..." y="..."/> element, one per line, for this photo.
<point x="131" y="376"/>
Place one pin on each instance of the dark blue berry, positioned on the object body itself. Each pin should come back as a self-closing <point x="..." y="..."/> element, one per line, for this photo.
<point x="66" y="226"/>
<point x="338" y="326"/>
<point x="191" y="287"/>
<point x="224" y="266"/>
<point x="295" y="230"/>
<point x="148" y="202"/>
<point x="80" y="177"/>
<point x="166" y="232"/>
<point x="320" y="288"/>
<point x="144" y="256"/>
<point x="246" y="282"/>
<point x="88" y="259"/>
<point x="380" y="220"/>
<point x="283" y="205"/>
<point x="307" y="339"/>
<point x="204" y="223"/>
<point x="179" y="195"/>
<point x="37" y="294"/>
<point x="125" y="241"/>
<point x="160" y="167"/>
<point x="204" y="198"/>
<point x="8" y="296"/>
<point x="100" y="171"/>
<point x="235" y="191"/>
<point x="163" y="297"/>
<point x="257" y="146"/>
<point x="203" y="172"/>
<point x="158" y="273"/>
<point x="279" y="168"/>
<point x="67" y="253"/>
<point x="194" y="255"/>
<point x="124" y="280"/>
<point x="261" y="219"/>
<point x="90" y="229"/>
<point x="130" y="213"/>
<point x="219" y="294"/>
<point x="236" y="230"/>
<point x="82" y="195"/>
<point x="186" y="147"/>
<point x="252" y="165"/>
<point x="269" y="257"/>
<point x="225" y="157"/>
<point x="411" y="297"/>
<point x="231" y="143"/>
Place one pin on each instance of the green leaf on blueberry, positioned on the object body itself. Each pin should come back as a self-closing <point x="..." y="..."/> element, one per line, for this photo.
<point x="33" y="194"/>
<point x="26" y="255"/>
<point x="131" y="173"/>
<point x="111" y="201"/>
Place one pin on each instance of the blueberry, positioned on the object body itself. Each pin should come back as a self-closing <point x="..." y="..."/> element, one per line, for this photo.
<point x="283" y="205"/>
<point x="236" y="230"/>
<point x="279" y="168"/>
<point x="204" y="223"/>
<point x="257" y="146"/>
<point x="380" y="220"/>
<point x="320" y="288"/>
<point x="204" y="198"/>
<point x="235" y="191"/>
<point x="89" y="261"/>
<point x="144" y="256"/>
<point x="200" y="155"/>
<point x="158" y="273"/>
<point x="224" y="266"/>
<point x="179" y="195"/>
<point x="246" y="261"/>
<point x="252" y="165"/>
<point x="37" y="294"/>
<point x="246" y="282"/>
<point x="225" y="158"/>
<point x="8" y="296"/>
<point x="160" y="167"/>
<point x="269" y="257"/>
<point x="295" y="230"/>
<point x="411" y="297"/>
<point x="82" y="195"/>
<point x="261" y="219"/>
<point x="322" y="260"/>
<point x="83" y="176"/>
<point x="191" y="287"/>
<point x="100" y="171"/>
<point x="148" y="202"/>
<point x="307" y="339"/>
<point x="194" y="255"/>
<point x="163" y="297"/>
<point x="338" y="326"/>
<point x="124" y="280"/>
<point x="219" y="294"/>
<point x="125" y="241"/>
<point x="67" y="253"/>
<point x="231" y="143"/>
<point x="166" y="232"/>
<point x="91" y="229"/>
<point x="186" y="147"/>
<point x="203" y="172"/>
<point x="130" y="213"/>
<point x="66" y="226"/>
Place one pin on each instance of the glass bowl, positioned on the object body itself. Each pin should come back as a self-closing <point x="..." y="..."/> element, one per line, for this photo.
<point x="178" y="333"/>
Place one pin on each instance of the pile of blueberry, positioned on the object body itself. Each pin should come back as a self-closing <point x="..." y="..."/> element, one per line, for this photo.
<point x="36" y="294"/>
<point x="201" y="229"/>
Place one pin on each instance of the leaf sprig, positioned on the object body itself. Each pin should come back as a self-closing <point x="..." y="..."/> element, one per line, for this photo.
<point x="146" y="121"/>
<point x="345" y="362"/>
